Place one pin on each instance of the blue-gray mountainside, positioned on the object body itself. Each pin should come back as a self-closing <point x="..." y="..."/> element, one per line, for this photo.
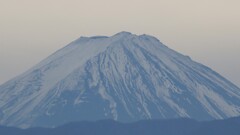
<point x="143" y="127"/>
<point x="124" y="77"/>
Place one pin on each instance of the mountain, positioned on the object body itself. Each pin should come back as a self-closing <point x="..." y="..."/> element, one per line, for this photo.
<point x="144" y="127"/>
<point x="124" y="77"/>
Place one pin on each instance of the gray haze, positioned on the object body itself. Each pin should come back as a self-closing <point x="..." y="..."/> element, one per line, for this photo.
<point x="206" y="30"/>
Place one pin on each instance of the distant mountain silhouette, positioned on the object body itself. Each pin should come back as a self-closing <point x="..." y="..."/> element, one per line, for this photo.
<point x="145" y="127"/>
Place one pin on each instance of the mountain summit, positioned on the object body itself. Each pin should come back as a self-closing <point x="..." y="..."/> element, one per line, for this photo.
<point x="124" y="77"/>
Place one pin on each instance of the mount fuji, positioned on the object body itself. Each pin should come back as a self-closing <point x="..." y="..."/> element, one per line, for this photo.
<point x="125" y="77"/>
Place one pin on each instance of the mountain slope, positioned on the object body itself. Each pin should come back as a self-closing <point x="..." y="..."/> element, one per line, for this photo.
<point x="124" y="77"/>
<point x="144" y="127"/>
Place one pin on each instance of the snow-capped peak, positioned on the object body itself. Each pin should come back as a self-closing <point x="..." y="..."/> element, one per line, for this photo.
<point x="123" y="33"/>
<point x="125" y="77"/>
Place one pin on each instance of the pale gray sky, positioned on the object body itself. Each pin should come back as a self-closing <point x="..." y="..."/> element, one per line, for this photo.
<point x="206" y="30"/>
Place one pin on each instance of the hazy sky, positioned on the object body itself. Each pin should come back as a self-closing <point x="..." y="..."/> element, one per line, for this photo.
<point x="206" y="30"/>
